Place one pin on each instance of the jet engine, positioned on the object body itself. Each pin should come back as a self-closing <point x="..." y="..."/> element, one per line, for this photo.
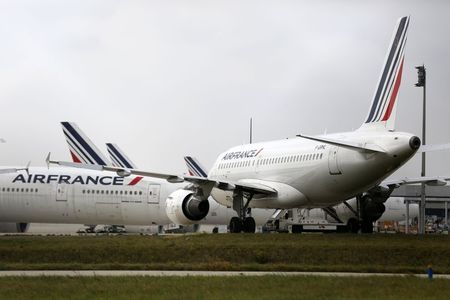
<point x="14" y="227"/>
<point x="371" y="210"/>
<point x="184" y="207"/>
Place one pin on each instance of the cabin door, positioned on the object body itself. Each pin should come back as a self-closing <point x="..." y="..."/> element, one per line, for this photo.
<point x="153" y="193"/>
<point x="333" y="163"/>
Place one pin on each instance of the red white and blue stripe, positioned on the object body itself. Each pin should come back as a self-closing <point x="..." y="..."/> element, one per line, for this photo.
<point x="194" y="167"/>
<point x="81" y="148"/>
<point x="386" y="93"/>
<point x="118" y="157"/>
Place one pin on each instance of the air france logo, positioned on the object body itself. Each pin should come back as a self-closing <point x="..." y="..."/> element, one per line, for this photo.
<point x="242" y="154"/>
<point x="68" y="179"/>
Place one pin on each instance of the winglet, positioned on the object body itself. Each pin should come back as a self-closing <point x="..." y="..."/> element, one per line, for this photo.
<point x="27" y="168"/>
<point x="47" y="160"/>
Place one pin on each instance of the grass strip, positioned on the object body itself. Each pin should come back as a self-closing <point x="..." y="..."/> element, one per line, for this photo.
<point x="190" y="287"/>
<point x="265" y="252"/>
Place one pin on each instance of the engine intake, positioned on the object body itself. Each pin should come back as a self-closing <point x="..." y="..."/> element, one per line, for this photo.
<point x="184" y="207"/>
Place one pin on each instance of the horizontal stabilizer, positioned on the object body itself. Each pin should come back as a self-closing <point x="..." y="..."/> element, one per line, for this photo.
<point x="347" y="144"/>
<point x="430" y="148"/>
<point x="428" y="180"/>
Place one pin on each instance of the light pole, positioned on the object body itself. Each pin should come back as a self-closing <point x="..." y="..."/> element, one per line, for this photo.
<point x="421" y="82"/>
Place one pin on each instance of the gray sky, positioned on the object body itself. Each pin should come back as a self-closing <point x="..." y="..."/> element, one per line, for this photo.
<point x="168" y="78"/>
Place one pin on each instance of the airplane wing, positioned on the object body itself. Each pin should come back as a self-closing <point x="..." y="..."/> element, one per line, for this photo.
<point x="428" y="180"/>
<point x="14" y="170"/>
<point x="254" y="188"/>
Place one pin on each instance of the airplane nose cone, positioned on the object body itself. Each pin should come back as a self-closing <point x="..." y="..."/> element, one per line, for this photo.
<point x="414" y="142"/>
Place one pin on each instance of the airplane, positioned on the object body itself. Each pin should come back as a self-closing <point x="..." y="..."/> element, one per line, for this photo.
<point x="305" y="171"/>
<point x="394" y="208"/>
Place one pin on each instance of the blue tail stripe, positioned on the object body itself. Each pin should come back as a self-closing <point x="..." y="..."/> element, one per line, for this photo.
<point x="77" y="149"/>
<point x="83" y="143"/>
<point x="114" y="159"/>
<point x="119" y="156"/>
<point x="200" y="172"/>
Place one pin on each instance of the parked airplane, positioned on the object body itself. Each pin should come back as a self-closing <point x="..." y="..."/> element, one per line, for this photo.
<point x="307" y="171"/>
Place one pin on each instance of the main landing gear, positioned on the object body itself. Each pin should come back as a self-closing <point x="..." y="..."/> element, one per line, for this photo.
<point x="244" y="222"/>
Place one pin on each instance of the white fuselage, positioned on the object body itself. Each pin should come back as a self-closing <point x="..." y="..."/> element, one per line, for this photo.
<point x="72" y="196"/>
<point x="307" y="173"/>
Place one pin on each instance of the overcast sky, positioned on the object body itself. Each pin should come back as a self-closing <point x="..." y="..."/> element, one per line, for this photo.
<point x="164" y="79"/>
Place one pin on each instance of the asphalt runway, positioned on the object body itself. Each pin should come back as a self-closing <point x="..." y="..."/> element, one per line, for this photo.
<point x="87" y="273"/>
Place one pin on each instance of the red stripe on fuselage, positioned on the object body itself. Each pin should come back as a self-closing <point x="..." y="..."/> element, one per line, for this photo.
<point x="394" y="94"/>
<point x="135" y="180"/>
<point x="75" y="158"/>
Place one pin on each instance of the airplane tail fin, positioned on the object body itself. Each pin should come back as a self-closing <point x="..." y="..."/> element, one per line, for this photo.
<point x="118" y="157"/>
<point x="81" y="148"/>
<point x="194" y="167"/>
<point x="382" y="111"/>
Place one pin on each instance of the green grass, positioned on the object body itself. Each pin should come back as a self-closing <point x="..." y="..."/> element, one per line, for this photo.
<point x="266" y="287"/>
<point x="271" y="252"/>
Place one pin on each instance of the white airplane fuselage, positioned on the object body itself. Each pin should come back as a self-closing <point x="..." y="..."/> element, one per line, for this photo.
<point x="72" y="196"/>
<point x="307" y="173"/>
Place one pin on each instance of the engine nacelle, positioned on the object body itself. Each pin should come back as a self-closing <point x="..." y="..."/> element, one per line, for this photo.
<point x="184" y="207"/>
<point x="371" y="210"/>
<point x="14" y="227"/>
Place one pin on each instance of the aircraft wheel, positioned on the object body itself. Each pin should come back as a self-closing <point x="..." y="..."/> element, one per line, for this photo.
<point x="249" y="225"/>
<point x="235" y="225"/>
